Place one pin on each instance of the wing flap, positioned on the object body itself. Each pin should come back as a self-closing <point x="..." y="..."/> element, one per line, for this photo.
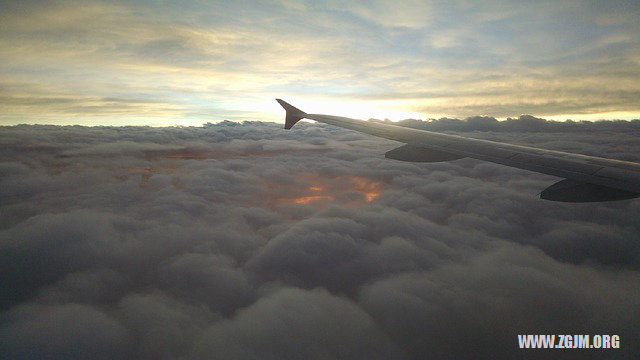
<point x="555" y="162"/>
<point x="568" y="190"/>
<point x="419" y="154"/>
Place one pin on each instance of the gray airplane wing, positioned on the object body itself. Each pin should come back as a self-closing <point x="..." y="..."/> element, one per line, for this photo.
<point x="586" y="178"/>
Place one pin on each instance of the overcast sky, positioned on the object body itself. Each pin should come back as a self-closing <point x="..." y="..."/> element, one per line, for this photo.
<point x="189" y="62"/>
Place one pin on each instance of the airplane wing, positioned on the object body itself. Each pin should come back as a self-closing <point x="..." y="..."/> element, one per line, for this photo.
<point x="585" y="178"/>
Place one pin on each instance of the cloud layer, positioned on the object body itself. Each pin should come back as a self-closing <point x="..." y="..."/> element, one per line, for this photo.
<point x="241" y="241"/>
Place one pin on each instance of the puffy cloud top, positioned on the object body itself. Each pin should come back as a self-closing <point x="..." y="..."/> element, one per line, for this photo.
<point x="244" y="241"/>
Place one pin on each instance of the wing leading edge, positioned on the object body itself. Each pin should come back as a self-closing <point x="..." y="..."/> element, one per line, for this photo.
<point x="586" y="178"/>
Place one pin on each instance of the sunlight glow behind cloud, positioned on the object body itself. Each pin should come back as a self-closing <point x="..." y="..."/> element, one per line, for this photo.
<point x="137" y="62"/>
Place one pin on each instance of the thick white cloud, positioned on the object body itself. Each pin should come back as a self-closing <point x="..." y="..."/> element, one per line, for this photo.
<point x="248" y="241"/>
<point x="297" y="324"/>
<point x="67" y="331"/>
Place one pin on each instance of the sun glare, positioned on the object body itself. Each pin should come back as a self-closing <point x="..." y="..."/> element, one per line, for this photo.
<point x="357" y="109"/>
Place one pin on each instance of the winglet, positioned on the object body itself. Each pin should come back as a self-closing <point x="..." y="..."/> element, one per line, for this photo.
<point x="293" y="114"/>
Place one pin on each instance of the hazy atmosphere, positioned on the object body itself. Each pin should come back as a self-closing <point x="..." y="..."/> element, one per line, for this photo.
<point x="123" y="236"/>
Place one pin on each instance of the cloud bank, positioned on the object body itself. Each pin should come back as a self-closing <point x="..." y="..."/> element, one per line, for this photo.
<point x="240" y="241"/>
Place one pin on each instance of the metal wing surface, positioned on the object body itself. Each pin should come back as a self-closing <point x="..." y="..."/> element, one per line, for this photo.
<point x="586" y="178"/>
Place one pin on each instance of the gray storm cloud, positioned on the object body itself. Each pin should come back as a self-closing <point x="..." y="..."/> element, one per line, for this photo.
<point x="240" y="241"/>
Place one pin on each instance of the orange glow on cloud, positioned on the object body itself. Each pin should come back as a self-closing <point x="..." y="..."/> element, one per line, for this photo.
<point x="338" y="189"/>
<point x="371" y="189"/>
<point x="310" y="199"/>
<point x="309" y="189"/>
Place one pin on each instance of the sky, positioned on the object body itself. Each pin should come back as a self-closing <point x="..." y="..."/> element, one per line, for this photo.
<point x="131" y="238"/>
<point x="165" y="63"/>
<point x="246" y="241"/>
